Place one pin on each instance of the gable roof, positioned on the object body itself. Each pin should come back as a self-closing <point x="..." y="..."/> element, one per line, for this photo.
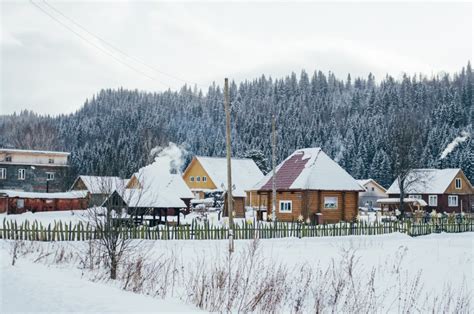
<point x="310" y="169"/>
<point x="434" y="181"/>
<point x="245" y="173"/>
<point x="363" y="182"/>
<point x="158" y="187"/>
<point x="102" y="184"/>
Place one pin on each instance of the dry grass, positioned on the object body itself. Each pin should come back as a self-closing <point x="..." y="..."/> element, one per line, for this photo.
<point x="254" y="283"/>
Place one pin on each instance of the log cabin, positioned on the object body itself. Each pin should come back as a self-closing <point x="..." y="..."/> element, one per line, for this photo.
<point x="309" y="185"/>
<point x="209" y="174"/>
<point x="444" y="190"/>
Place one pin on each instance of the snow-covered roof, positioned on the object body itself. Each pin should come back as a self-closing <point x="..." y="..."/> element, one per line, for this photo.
<point x="60" y="195"/>
<point x="414" y="201"/>
<point x="363" y="182"/>
<point x="29" y="151"/>
<point x="245" y="173"/>
<point x="310" y="169"/>
<point x="102" y="184"/>
<point x="158" y="187"/>
<point x="431" y="181"/>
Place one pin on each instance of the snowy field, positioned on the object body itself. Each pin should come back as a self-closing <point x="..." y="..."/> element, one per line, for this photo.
<point x="386" y="272"/>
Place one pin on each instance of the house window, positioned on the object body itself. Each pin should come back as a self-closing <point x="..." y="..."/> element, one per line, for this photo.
<point x="433" y="200"/>
<point x="330" y="202"/>
<point x="20" y="203"/>
<point x="452" y="200"/>
<point x="8" y="159"/>
<point x="373" y="189"/>
<point x="21" y="174"/>
<point x="204" y="179"/>
<point x="51" y="161"/>
<point x="191" y="179"/>
<point x="458" y="183"/>
<point x="198" y="179"/>
<point x="415" y="196"/>
<point x="3" y="173"/>
<point x="285" y="206"/>
<point x="50" y="176"/>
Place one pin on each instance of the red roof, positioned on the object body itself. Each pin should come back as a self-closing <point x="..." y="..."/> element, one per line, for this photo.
<point x="288" y="172"/>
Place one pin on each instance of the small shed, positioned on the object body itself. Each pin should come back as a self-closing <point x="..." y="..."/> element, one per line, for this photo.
<point x="18" y="202"/>
<point x="99" y="188"/>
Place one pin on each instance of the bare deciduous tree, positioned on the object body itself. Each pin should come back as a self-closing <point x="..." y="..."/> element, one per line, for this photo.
<point x="112" y="221"/>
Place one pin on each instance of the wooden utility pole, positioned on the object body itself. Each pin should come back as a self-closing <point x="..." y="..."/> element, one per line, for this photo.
<point x="274" y="217"/>
<point x="230" y="209"/>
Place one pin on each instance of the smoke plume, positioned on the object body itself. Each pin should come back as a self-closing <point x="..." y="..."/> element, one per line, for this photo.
<point x="451" y="146"/>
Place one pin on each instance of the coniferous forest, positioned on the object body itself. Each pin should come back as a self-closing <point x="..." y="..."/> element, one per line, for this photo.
<point x="354" y="120"/>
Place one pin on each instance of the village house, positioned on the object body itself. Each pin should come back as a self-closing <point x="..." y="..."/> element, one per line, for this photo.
<point x="443" y="190"/>
<point x="154" y="190"/>
<point x="33" y="170"/>
<point x="98" y="187"/>
<point x="209" y="174"/>
<point x="309" y="184"/>
<point x="373" y="191"/>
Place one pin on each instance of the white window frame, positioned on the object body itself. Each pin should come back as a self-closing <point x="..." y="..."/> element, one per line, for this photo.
<point x="3" y="173"/>
<point x="21" y="174"/>
<point x="49" y="176"/>
<point x="433" y="197"/>
<point x="453" y="197"/>
<point x="51" y="161"/>
<point x="286" y="204"/>
<point x="198" y="179"/>
<point x="8" y="159"/>
<point x="415" y="196"/>
<point x="331" y="197"/>
<point x="191" y="178"/>
<point x="204" y="179"/>
<point x="456" y="183"/>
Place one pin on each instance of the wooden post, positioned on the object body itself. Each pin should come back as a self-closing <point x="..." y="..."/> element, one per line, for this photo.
<point x="343" y="209"/>
<point x="229" y="168"/>
<point x="274" y="215"/>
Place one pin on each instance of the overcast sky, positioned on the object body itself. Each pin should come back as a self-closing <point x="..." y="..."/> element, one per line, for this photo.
<point x="49" y="69"/>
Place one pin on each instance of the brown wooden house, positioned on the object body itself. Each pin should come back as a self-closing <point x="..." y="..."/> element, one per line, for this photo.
<point x="309" y="184"/>
<point x="444" y="190"/>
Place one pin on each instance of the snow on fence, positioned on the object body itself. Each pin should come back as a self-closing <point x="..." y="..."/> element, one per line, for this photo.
<point x="82" y="232"/>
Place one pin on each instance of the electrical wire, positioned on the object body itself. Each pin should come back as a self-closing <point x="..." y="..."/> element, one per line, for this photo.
<point x="120" y="51"/>
<point x="97" y="46"/>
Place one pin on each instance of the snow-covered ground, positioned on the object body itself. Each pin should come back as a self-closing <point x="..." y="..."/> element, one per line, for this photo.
<point x="442" y="262"/>
<point x="35" y="287"/>
<point x="46" y="218"/>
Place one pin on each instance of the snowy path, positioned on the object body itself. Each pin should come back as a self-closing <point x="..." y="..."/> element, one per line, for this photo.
<point x="30" y="287"/>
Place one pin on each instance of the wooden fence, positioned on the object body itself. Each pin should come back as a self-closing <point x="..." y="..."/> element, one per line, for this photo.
<point x="81" y="232"/>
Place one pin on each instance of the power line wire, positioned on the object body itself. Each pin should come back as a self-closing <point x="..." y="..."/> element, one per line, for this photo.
<point x="98" y="47"/>
<point x="107" y="43"/>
